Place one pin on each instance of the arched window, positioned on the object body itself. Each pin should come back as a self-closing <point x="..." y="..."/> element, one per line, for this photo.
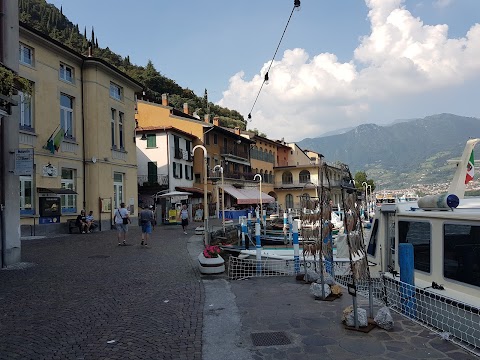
<point x="287" y="178"/>
<point x="304" y="176"/>
<point x="289" y="201"/>
<point x="271" y="177"/>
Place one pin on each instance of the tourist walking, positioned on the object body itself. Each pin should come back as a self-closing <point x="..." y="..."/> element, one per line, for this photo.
<point x="184" y="218"/>
<point x="122" y="219"/>
<point x="146" y="222"/>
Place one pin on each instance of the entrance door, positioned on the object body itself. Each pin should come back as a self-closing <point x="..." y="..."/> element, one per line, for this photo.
<point x="117" y="189"/>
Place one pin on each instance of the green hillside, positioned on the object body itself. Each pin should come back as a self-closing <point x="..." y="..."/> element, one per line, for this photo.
<point x="51" y="21"/>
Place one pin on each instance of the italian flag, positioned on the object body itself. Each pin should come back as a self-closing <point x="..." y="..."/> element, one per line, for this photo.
<point x="470" y="169"/>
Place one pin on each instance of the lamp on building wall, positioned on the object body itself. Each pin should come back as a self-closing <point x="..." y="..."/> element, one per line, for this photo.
<point x="205" y="204"/>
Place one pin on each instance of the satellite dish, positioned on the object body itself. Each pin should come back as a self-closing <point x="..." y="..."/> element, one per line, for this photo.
<point x="94" y="159"/>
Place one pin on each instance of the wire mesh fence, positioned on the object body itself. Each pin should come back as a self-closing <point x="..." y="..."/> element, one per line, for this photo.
<point x="452" y="319"/>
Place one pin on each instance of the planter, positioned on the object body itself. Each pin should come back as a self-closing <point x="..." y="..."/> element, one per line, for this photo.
<point x="211" y="265"/>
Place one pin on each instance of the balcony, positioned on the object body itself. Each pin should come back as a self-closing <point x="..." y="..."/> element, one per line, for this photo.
<point x="182" y="154"/>
<point x="298" y="184"/>
<point x="234" y="151"/>
<point x="152" y="180"/>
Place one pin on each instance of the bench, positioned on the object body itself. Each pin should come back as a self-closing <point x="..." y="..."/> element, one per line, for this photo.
<point x="72" y="225"/>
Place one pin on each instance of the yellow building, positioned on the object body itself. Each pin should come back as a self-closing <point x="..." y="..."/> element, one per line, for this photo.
<point x="80" y="123"/>
<point x="300" y="175"/>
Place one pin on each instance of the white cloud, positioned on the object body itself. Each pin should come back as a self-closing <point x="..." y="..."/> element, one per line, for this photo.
<point x="315" y="94"/>
<point x="442" y="3"/>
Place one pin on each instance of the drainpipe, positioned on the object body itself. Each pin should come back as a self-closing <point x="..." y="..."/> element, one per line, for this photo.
<point x="83" y="141"/>
<point x="3" y="234"/>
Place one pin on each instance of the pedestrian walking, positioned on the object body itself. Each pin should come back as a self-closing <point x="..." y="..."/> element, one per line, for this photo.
<point x="184" y="217"/>
<point x="122" y="219"/>
<point x="147" y="223"/>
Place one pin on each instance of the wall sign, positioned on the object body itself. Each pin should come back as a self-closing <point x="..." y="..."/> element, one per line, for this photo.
<point x="23" y="162"/>
<point x="49" y="170"/>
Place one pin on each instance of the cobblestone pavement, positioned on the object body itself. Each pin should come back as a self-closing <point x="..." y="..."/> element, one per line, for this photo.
<point x="87" y="298"/>
<point x="314" y="330"/>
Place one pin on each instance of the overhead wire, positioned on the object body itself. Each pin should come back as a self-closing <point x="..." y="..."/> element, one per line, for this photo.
<point x="296" y="5"/>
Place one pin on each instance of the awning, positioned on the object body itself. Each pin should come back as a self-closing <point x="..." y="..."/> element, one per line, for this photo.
<point x="248" y="195"/>
<point x="190" y="189"/>
<point x="58" y="191"/>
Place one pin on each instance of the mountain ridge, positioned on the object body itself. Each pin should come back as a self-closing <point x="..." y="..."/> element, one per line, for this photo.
<point x="403" y="153"/>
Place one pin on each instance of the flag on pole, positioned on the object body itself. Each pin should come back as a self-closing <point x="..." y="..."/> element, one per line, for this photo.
<point x="470" y="169"/>
<point x="57" y="140"/>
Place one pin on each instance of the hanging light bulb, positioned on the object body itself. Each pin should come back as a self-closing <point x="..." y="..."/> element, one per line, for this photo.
<point x="266" y="78"/>
<point x="249" y="116"/>
<point x="296" y="4"/>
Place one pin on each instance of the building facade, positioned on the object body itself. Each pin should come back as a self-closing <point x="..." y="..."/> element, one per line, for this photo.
<point x="10" y="245"/>
<point x="79" y="121"/>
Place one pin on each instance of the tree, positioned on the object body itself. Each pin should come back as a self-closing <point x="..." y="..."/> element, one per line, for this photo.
<point x="360" y="178"/>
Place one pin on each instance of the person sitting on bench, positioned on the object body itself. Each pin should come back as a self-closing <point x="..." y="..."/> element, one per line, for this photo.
<point x="82" y="222"/>
<point x="91" y="224"/>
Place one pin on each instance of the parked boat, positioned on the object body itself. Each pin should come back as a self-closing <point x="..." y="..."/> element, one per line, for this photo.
<point x="445" y="234"/>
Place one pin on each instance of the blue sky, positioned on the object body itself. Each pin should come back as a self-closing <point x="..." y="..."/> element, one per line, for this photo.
<point x="337" y="66"/>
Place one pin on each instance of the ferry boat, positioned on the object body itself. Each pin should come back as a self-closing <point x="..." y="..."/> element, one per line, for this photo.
<point x="444" y="231"/>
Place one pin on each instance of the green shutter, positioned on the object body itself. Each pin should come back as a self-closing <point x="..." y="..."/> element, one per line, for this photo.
<point x="151" y="140"/>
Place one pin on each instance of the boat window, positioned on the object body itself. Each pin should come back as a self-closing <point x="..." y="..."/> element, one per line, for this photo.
<point x="419" y="235"/>
<point x="461" y="251"/>
<point x="372" y="244"/>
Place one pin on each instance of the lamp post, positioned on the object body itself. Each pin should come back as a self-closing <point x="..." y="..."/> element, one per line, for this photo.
<point x="366" y="198"/>
<point x="260" y="182"/>
<point x="223" y="196"/>
<point x="205" y="204"/>
<point x="370" y="200"/>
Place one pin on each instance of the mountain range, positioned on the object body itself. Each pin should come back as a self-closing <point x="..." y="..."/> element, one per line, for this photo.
<point x="401" y="154"/>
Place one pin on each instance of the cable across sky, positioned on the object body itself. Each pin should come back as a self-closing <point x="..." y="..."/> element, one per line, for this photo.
<point x="296" y="6"/>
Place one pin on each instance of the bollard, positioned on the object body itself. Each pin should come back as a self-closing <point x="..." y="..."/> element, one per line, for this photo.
<point x="296" y="247"/>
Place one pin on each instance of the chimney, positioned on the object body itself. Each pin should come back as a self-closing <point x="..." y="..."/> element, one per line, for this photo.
<point x="185" y="108"/>
<point x="207" y="118"/>
<point x="165" y="99"/>
<point x="237" y="130"/>
<point x="216" y="120"/>
<point x="90" y="49"/>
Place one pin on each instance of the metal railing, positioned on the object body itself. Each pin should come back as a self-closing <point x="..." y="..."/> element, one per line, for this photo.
<point x="231" y="150"/>
<point x="152" y="180"/>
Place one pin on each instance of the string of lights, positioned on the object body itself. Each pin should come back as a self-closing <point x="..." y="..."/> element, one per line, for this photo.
<point x="296" y="6"/>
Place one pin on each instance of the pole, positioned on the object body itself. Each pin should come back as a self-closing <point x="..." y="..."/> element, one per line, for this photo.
<point x="205" y="204"/>
<point x="296" y="247"/>
<point x="258" y="246"/>
<point x="223" y="201"/>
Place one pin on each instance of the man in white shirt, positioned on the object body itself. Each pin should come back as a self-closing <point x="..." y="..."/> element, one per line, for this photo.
<point x="122" y="219"/>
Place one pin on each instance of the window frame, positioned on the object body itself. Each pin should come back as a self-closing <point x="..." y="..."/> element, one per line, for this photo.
<point x="69" y="131"/>
<point x="21" y="51"/>
<point x="151" y="138"/>
<point x="121" y="132"/>
<point x="116" y="91"/>
<point x="68" y="201"/>
<point x="23" y="101"/>
<point x="113" y="121"/>
<point x="66" y="67"/>
<point x="24" y="210"/>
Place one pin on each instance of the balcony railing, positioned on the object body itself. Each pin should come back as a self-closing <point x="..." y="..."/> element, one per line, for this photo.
<point x="152" y="180"/>
<point x="296" y="184"/>
<point x="182" y="154"/>
<point x="231" y="150"/>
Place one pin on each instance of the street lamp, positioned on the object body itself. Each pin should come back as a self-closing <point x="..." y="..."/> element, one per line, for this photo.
<point x="205" y="204"/>
<point x="370" y="200"/>
<point x="260" y="182"/>
<point x="366" y="198"/>
<point x="217" y="167"/>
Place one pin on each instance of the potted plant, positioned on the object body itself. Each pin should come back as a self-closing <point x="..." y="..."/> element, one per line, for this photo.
<point x="210" y="261"/>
